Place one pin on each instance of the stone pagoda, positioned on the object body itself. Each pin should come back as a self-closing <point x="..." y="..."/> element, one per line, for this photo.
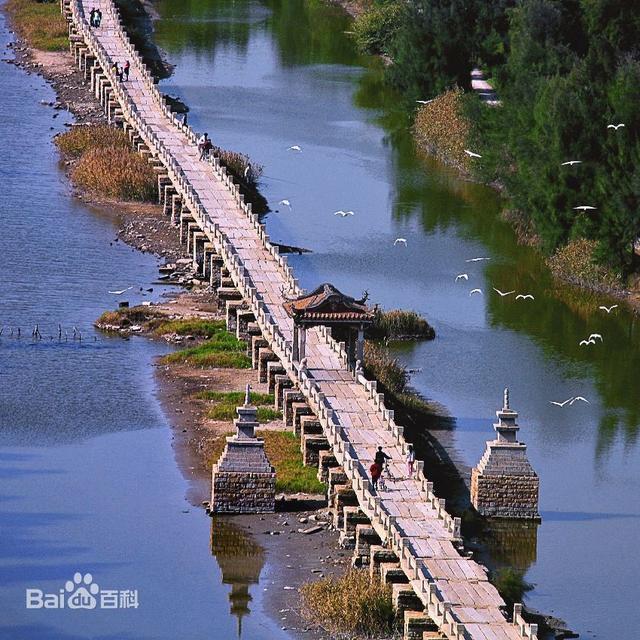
<point x="243" y="480"/>
<point x="503" y="483"/>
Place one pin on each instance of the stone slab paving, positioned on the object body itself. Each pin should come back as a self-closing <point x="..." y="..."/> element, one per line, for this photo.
<point x="454" y="589"/>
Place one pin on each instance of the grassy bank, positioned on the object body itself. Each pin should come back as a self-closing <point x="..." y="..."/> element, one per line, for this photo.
<point x="283" y="450"/>
<point x="105" y="164"/>
<point x="223" y="405"/>
<point x="222" y="350"/>
<point x="351" y="605"/>
<point x="40" y="24"/>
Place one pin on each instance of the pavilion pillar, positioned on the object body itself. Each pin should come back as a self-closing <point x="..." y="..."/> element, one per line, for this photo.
<point x="303" y="342"/>
<point x="360" y="344"/>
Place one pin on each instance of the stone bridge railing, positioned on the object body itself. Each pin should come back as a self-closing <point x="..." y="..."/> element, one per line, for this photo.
<point x="383" y="523"/>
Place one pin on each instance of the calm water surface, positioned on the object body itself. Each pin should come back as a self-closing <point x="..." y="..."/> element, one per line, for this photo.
<point x="262" y="76"/>
<point x="88" y="479"/>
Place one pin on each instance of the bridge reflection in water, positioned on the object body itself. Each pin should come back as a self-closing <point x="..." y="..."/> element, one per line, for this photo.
<point x="240" y="559"/>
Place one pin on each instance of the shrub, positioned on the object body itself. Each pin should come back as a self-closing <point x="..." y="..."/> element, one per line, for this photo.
<point x="115" y="173"/>
<point x="40" y="24"/>
<point x="374" y="27"/>
<point x="575" y="263"/>
<point x="399" y="325"/>
<point x="78" y="140"/>
<point x="352" y="604"/>
<point x="442" y="129"/>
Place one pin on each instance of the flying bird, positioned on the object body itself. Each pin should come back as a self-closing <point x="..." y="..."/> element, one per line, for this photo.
<point x="285" y="203"/>
<point x="424" y="101"/>
<point x="584" y="343"/>
<point x="571" y="163"/>
<point x="615" y="126"/>
<point x="562" y="404"/>
<point x="342" y="213"/>
<point x="246" y="170"/>
<point x="119" y="293"/>
<point x="476" y="259"/>
<point x="524" y="296"/>
<point x="474" y="291"/>
<point x="585" y="207"/>
<point x="502" y="294"/>
<point x="471" y="154"/>
<point x="595" y="336"/>
<point x="462" y="276"/>
<point x="400" y="241"/>
<point x="579" y="398"/>
<point x="295" y="147"/>
<point x="608" y="309"/>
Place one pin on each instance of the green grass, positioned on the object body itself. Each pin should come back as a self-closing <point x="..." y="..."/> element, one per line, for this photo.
<point x="215" y="354"/>
<point x="40" y="23"/>
<point x="236" y="397"/>
<point x="283" y="450"/>
<point x="225" y="403"/>
<point x="511" y="585"/>
<point x="191" y="327"/>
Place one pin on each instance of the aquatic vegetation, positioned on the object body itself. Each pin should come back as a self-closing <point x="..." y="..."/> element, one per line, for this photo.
<point x="283" y="450"/>
<point x="115" y="173"/>
<point x="40" y="23"/>
<point x="352" y="604"/>
<point x="400" y="325"/>
<point x="124" y="318"/>
<point x="380" y="366"/>
<point x="511" y="585"/>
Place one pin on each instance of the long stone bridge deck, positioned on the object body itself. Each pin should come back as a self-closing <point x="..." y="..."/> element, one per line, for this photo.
<point x="408" y="518"/>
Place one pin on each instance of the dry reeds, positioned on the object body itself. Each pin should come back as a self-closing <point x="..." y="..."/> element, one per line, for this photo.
<point x="575" y="263"/>
<point x="388" y="371"/>
<point x="348" y="605"/>
<point x="115" y="173"/>
<point x="78" y="140"/>
<point x="441" y="129"/>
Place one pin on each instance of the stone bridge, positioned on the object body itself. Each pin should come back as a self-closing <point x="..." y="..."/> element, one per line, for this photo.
<point x="404" y="531"/>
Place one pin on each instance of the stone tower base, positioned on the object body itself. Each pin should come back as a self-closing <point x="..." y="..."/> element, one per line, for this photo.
<point x="243" y="481"/>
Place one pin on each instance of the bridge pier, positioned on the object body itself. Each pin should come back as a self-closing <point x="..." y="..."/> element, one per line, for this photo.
<point x="243" y="318"/>
<point x="282" y="383"/>
<point x="233" y="307"/>
<point x="274" y="368"/>
<point x="327" y="460"/>
<point x="311" y="446"/>
<point x="366" y="537"/>
<point x="257" y="343"/>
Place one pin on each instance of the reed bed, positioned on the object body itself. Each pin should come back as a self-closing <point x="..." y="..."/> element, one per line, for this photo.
<point x="400" y="325"/>
<point x="351" y="605"/>
<point x="441" y="129"/>
<point x="388" y="371"/>
<point x="79" y="140"/>
<point x="115" y="173"/>
<point x="40" y="24"/>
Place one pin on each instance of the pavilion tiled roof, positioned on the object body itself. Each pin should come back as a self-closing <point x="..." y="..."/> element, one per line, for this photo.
<point x="328" y="304"/>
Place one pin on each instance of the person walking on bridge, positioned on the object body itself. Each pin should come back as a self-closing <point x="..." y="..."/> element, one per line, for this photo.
<point x="125" y="70"/>
<point x="204" y="145"/>
<point x="411" y="458"/>
<point x="92" y="17"/>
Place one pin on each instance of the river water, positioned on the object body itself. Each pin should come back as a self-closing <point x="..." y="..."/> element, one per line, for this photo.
<point x="88" y="478"/>
<point x="261" y="76"/>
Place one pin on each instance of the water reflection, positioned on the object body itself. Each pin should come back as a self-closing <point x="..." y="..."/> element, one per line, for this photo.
<point x="240" y="559"/>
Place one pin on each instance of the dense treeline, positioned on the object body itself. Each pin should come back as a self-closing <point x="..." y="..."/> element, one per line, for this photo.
<point x="564" y="70"/>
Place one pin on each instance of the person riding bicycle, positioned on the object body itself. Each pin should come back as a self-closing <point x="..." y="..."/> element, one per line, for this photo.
<point x="378" y="465"/>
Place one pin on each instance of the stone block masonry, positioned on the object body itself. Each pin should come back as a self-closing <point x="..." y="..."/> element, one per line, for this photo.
<point x="503" y="483"/>
<point x="243" y="480"/>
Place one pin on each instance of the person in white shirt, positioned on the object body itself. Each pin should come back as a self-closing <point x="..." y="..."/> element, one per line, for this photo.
<point x="411" y="458"/>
